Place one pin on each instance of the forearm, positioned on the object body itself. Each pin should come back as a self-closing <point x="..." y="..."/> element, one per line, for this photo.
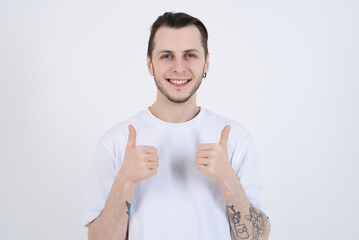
<point x="113" y="221"/>
<point x="246" y="221"/>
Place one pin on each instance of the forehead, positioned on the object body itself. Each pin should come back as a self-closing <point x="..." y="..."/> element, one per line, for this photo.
<point x="167" y="38"/>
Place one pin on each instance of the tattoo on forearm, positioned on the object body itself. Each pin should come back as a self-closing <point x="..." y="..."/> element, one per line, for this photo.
<point x="128" y="208"/>
<point x="259" y="222"/>
<point x="235" y="218"/>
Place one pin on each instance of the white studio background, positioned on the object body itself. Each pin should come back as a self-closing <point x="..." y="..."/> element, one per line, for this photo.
<point x="287" y="70"/>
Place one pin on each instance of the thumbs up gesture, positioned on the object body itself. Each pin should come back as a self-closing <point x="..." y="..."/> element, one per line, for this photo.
<point x="212" y="159"/>
<point x="140" y="162"/>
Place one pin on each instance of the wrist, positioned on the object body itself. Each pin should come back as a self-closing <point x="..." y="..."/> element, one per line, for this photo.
<point x="233" y="192"/>
<point x="125" y="184"/>
<point x="229" y="182"/>
<point x="121" y="189"/>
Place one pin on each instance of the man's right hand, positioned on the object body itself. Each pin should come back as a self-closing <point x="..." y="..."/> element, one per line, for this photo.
<point x="140" y="162"/>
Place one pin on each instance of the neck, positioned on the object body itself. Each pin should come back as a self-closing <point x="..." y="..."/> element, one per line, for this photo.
<point x="172" y="112"/>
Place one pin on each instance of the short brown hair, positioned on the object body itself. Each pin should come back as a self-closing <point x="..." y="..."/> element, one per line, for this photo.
<point x="177" y="20"/>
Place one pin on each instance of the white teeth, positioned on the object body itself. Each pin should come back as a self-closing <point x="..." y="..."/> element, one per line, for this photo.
<point x="178" y="82"/>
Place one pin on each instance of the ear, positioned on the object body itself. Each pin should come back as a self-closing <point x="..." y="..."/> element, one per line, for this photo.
<point x="206" y="64"/>
<point x="149" y="65"/>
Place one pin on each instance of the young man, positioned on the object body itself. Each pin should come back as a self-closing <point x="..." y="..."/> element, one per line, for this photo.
<point x="176" y="170"/>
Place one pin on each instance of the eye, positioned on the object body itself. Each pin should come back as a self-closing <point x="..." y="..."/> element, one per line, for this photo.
<point x="166" y="56"/>
<point x="190" y="55"/>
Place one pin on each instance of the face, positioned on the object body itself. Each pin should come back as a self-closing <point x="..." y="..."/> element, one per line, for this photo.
<point x="178" y="62"/>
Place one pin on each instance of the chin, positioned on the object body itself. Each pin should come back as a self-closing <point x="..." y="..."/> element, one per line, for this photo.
<point x="179" y="100"/>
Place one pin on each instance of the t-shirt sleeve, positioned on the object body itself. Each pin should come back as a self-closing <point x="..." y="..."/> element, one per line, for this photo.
<point x="102" y="175"/>
<point x="249" y="172"/>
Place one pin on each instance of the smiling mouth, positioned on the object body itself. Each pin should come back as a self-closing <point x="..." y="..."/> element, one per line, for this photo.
<point x="178" y="82"/>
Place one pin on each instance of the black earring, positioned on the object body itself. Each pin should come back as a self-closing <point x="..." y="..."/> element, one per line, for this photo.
<point x="204" y="75"/>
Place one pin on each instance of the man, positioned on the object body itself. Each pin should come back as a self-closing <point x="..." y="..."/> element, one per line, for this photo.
<point x="176" y="170"/>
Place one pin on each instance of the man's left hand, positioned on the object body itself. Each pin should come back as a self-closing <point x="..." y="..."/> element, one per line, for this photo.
<point x="212" y="159"/>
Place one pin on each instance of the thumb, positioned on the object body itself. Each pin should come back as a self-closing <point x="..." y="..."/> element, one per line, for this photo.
<point x="224" y="136"/>
<point x="131" y="142"/>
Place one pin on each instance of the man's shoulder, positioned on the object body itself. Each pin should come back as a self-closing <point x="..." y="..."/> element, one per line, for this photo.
<point x="237" y="127"/>
<point x="120" y="129"/>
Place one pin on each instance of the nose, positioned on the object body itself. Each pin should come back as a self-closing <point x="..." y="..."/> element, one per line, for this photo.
<point x="179" y="66"/>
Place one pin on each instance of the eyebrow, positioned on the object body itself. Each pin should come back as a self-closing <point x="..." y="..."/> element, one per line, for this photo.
<point x="186" y="51"/>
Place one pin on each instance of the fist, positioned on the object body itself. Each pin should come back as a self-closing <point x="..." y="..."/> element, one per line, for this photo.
<point x="140" y="162"/>
<point x="212" y="159"/>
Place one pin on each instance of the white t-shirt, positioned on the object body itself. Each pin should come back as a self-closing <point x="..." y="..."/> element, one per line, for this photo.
<point x="179" y="202"/>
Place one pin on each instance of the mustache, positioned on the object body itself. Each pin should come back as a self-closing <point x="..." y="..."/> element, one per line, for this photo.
<point x="184" y="77"/>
